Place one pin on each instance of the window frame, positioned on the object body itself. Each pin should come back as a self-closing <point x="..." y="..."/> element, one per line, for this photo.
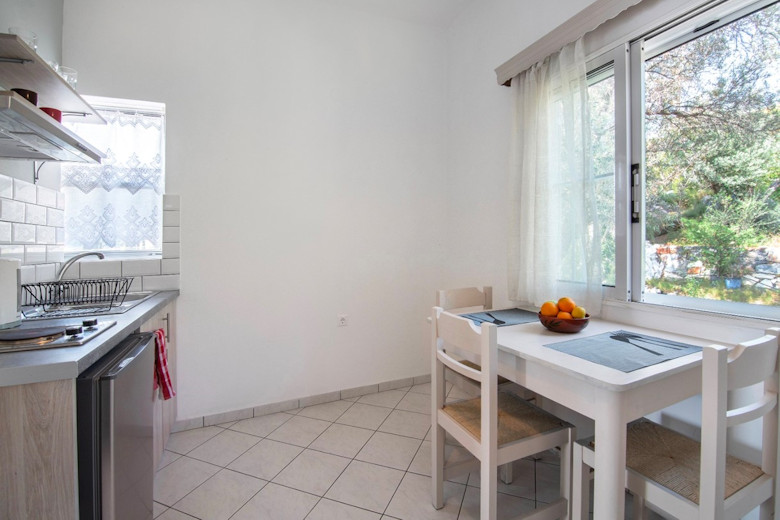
<point x="629" y="70"/>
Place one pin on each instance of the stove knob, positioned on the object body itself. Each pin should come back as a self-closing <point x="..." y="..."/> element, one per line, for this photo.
<point x="73" y="331"/>
<point x="90" y="323"/>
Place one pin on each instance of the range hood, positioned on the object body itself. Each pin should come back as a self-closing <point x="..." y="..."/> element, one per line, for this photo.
<point x="28" y="133"/>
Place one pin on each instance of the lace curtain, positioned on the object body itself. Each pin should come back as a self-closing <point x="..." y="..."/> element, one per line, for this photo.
<point x="554" y="242"/>
<point x="117" y="205"/>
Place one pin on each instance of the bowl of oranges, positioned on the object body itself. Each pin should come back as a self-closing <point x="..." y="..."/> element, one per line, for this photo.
<point x="563" y="316"/>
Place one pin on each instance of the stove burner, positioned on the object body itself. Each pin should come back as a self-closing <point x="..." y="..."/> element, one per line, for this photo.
<point x="50" y="337"/>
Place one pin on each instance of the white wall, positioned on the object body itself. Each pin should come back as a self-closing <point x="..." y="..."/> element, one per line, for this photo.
<point x="308" y="144"/>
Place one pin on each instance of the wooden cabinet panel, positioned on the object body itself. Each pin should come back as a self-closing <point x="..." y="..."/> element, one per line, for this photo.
<point x="38" y="451"/>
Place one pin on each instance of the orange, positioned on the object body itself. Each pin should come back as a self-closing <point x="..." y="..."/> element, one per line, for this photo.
<point x="564" y="316"/>
<point x="549" y="309"/>
<point x="566" y="304"/>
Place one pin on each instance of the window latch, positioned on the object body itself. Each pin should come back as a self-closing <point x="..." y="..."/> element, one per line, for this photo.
<point x="635" y="193"/>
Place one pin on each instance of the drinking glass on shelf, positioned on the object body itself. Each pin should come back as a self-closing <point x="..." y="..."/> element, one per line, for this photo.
<point x="27" y="36"/>
<point x="70" y="75"/>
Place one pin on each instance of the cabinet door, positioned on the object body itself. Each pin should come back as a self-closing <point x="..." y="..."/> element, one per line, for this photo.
<point x="164" y="411"/>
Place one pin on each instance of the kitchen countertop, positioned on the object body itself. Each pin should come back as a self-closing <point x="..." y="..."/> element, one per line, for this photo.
<point x="35" y="366"/>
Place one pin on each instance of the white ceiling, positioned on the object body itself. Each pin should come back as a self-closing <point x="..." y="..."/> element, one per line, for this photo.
<point x="440" y="13"/>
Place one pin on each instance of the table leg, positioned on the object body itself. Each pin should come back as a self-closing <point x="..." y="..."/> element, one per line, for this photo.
<point x="609" y="477"/>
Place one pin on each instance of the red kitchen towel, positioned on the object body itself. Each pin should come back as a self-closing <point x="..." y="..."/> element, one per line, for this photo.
<point x="161" y="376"/>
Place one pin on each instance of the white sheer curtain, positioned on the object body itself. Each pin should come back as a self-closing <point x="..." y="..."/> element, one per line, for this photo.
<point x="117" y="205"/>
<point x="554" y="242"/>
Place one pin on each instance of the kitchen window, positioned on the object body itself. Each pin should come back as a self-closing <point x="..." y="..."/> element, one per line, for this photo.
<point x="116" y="206"/>
<point x="684" y="132"/>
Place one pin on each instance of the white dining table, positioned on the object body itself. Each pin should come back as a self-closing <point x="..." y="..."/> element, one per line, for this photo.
<point x="610" y="397"/>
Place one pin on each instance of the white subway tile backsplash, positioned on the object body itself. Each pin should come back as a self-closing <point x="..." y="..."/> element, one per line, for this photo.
<point x="55" y="217"/>
<point x="45" y="272"/>
<point x="12" y="251"/>
<point x="171" y="202"/>
<point x="170" y="266"/>
<point x="55" y="254"/>
<point x="73" y="272"/>
<point x="34" y="214"/>
<point x="23" y="233"/>
<point x="136" y="285"/>
<point x="11" y="210"/>
<point x="171" y="234"/>
<point x="167" y="282"/>
<point x="6" y="187"/>
<point x="47" y="197"/>
<point x="170" y="250"/>
<point x="100" y="268"/>
<point x="171" y="218"/>
<point x="25" y="191"/>
<point x="60" y="201"/>
<point x="60" y="236"/>
<point x="5" y="232"/>
<point x="141" y="267"/>
<point x="27" y="274"/>
<point x="34" y="254"/>
<point x="45" y="235"/>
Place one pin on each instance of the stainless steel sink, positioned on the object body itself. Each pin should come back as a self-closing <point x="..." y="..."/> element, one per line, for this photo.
<point x="88" y="309"/>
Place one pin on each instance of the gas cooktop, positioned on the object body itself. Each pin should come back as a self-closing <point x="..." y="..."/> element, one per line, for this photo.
<point x="19" y="339"/>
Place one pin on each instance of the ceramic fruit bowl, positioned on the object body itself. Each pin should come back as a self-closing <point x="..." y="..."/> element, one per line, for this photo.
<point x="556" y="324"/>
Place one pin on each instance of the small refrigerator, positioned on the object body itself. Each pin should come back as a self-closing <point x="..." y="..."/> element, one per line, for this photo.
<point x="115" y="411"/>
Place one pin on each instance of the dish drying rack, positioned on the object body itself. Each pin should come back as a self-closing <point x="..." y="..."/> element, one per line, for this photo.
<point x="99" y="293"/>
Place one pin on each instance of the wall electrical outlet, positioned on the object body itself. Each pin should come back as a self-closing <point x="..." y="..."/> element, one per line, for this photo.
<point x="343" y="320"/>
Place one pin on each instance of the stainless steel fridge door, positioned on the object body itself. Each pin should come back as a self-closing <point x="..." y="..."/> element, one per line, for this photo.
<point x="127" y="458"/>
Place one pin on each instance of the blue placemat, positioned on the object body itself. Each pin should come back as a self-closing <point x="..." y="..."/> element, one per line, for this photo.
<point x="623" y="350"/>
<point x="508" y="316"/>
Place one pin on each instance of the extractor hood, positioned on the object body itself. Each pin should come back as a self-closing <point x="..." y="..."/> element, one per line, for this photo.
<point x="28" y="133"/>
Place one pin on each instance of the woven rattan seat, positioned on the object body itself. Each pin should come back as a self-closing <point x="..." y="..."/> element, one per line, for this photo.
<point x="673" y="460"/>
<point x="517" y="418"/>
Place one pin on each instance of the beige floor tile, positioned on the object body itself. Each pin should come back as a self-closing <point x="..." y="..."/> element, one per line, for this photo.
<point x="547" y="482"/>
<point x="220" y="496"/>
<point x="326" y="411"/>
<point x="343" y="440"/>
<point x="412" y="500"/>
<point x="364" y="416"/>
<point x="409" y="424"/>
<point x="453" y="454"/>
<point x="265" y="459"/>
<point x="186" y="441"/>
<point x="263" y="425"/>
<point x="300" y="431"/>
<point x="388" y="398"/>
<point x="224" y="448"/>
<point x="508" y="506"/>
<point x="312" y="471"/>
<point x="167" y="458"/>
<point x="412" y="402"/>
<point x="277" y="503"/>
<point x="172" y="514"/>
<point x="424" y="388"/>
<point x="523" y="480"/>
<point x="330" y="510"/>
<point x="158" y="509"/>
<point x="386" y="449"/>
<point x="367" y="486"/>
<point x="177" y="479"/>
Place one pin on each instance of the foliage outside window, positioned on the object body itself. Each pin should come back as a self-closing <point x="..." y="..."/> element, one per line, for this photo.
<point x="117" y="205"/>
<point x="712" y="217"/>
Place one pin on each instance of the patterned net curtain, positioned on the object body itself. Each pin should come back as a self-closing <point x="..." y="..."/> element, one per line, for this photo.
<point x="117" y="205"/>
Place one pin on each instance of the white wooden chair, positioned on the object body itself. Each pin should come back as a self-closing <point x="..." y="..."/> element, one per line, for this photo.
<point x="497" y="427"/>
<point x="464" y="298"/>
<point x="684" y="478"/>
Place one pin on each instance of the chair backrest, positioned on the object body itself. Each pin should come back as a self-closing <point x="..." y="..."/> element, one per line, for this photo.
<point x="749" y="363"/>
<point x="454" y="332"/>
<point x="465" y="297"/>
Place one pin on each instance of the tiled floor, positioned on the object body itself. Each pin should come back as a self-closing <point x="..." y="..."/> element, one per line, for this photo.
<point x="365" y="458"/>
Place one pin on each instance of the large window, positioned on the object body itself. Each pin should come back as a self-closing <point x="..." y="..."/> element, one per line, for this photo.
<point x="116" y="206"/>
<point x="701" y="205"/>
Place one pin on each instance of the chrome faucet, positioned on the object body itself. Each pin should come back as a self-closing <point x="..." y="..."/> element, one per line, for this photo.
<point x="72" y="260"/>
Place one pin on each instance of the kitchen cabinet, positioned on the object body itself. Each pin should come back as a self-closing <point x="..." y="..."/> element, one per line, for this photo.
<point x="164" y="410"/>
